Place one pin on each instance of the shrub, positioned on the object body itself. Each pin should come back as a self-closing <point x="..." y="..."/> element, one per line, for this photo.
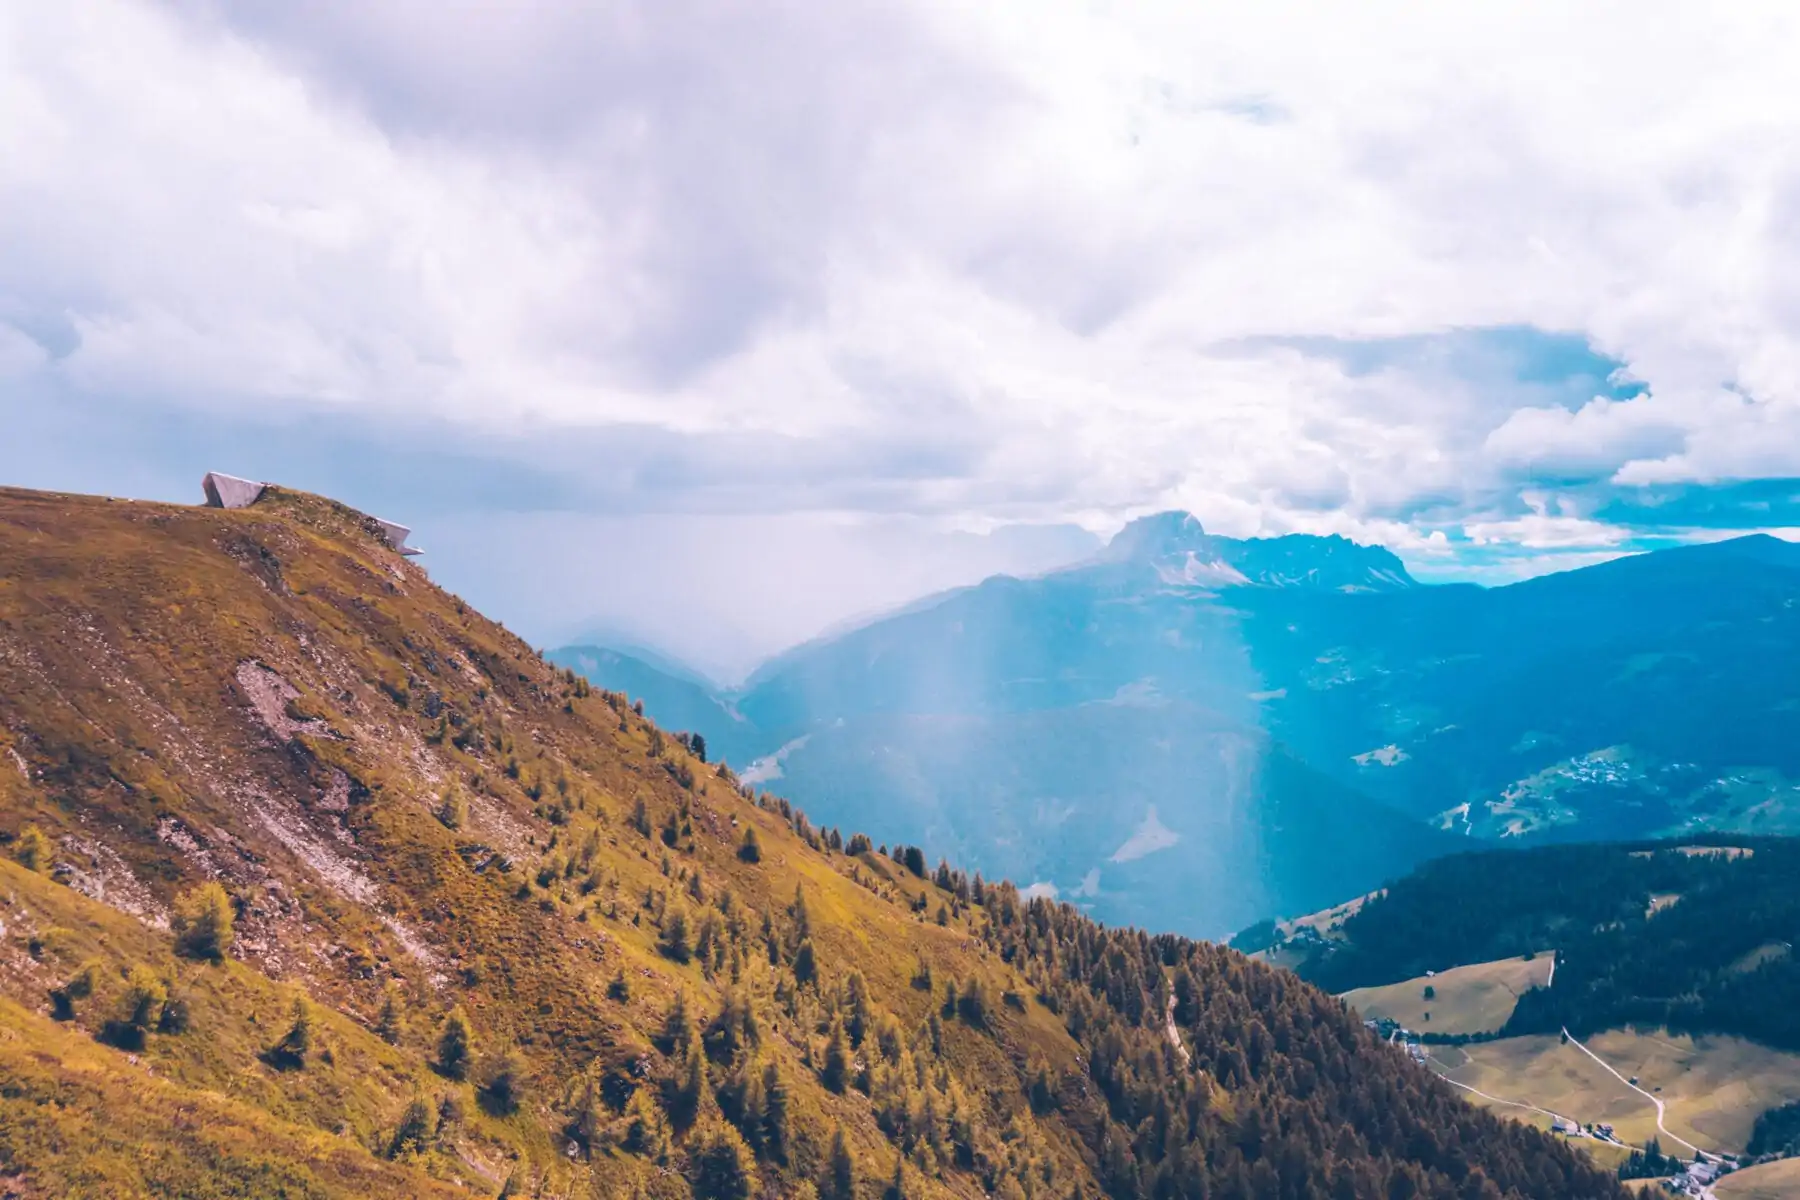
<point x="140" y="1008"/>
<point x="620" y="987"/>
<point x="175" y="1017"/>
<point x="33" y="849"/>
<point x="501" y="1084"/>
<point x="203" y="923"/>
<point x="289" y="1054"/>
<point x="79" y="987"/>
<point x="454" y="811"/>
<point x="413" y="1134"/>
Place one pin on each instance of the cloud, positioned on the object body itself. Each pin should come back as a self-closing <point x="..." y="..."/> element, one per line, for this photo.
<point x="1380" y="270"/>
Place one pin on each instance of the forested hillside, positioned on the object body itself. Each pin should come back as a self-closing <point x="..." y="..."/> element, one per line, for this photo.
<point x="318" y="884"/>
<point x="1696" y="936"/>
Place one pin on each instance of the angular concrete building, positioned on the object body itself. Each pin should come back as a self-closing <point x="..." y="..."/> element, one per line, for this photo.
<point x="228" y="491"/>
<point x="396" y="536"/>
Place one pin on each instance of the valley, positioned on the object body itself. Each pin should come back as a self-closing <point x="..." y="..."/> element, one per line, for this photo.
<point x="1304" y="719"/>
<point x="1575" y="1036"/>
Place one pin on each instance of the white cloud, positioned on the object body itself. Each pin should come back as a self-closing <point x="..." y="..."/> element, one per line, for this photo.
<point x="1030" y="261"/>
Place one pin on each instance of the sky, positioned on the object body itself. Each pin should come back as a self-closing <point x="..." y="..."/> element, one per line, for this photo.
<point x="715" y="325"/>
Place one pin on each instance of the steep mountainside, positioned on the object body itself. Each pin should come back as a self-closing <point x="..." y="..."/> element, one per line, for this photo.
<point x="1644" y="696"/>
<point x="317" y="884"/>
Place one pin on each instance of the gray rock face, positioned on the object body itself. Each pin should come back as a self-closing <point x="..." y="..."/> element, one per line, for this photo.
<point x="228" y="491"/>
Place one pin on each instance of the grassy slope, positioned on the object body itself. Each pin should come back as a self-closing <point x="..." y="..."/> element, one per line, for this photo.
<point x="1474" y="999"/>
<point x="1713" y="1087"/>
<point x="1771" y="1181"/>
<point x="123" y="628"/>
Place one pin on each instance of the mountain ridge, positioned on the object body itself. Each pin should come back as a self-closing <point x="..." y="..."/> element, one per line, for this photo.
<point x="1618" y="700"/>
<point x="318" y="883"/>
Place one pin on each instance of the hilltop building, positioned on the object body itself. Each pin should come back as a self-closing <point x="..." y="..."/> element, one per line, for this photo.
<point x="228" y="491"/>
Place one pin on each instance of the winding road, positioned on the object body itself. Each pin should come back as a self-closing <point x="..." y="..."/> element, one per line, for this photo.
<point x="1497" y="1100"/>
<point x="1660" y="1127"/>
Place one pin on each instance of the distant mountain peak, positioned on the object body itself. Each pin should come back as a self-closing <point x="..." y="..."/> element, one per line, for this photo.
<point x="1182" y="553"/>
<point x="1156" y="535"/>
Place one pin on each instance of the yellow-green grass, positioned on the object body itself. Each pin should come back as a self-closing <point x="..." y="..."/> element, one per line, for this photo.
<point x="1327" y="921"/>
<point x="1474" y="999"/>
<point x="1713" y="1088"/>
<point x="1770" y="1181"/>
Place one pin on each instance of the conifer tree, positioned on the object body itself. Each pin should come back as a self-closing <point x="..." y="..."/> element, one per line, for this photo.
<point x="390" y="1025"/>
<point x="686" y="1091"/>
<point x="678" y="1026"/>
<point x="776" y="1132"/>
<point x="720" y="1166"/>
<point x="291" y="1051"/>
<point x="203" y="923"/>
<point x="836" y="1071"/>
<point x="751" y="849"/>
<point x="806" y="967"/>
<point x="456" y="1045"/>
<point x="646" y="1129"/>
<point x="896" y="1188"/>
<point x="413" y="1133"/>
<point x="840" y="1170"/>
<point x="676" y="941"/>
<point x="587" y="1123"/>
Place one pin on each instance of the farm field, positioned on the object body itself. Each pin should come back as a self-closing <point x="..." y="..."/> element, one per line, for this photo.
<point x="1713" y="1087"/>
<point x="1474" y="999"/>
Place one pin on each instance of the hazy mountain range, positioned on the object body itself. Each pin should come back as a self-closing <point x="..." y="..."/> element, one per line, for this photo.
<point x="1193" y="732"/>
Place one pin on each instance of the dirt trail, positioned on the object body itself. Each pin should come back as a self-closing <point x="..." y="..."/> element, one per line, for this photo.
<point x="1660" y="1127"/>
<point x="1174" y="1033"/>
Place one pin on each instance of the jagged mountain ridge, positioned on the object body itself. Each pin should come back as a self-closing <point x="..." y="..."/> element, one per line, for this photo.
<point x="1178" y="547"/>
<point x="1627" y="699"/>
<point x="414" y="821"/>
